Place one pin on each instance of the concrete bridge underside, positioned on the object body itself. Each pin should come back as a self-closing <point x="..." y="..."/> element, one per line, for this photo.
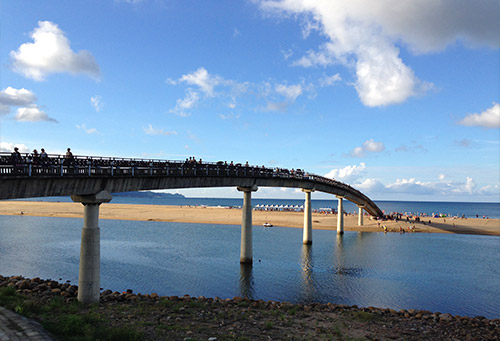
<point x="26" y="187"/>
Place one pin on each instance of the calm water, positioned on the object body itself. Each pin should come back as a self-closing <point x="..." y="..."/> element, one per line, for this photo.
<point x="458" y="274"/>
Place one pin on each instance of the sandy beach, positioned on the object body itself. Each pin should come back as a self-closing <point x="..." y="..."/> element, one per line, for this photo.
<point x="218" y="215"/>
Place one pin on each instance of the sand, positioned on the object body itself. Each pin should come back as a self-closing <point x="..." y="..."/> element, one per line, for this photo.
<point x="218" y="215"/>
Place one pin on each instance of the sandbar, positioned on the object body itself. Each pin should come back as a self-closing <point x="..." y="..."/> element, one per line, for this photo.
<point x="232" y="216"/>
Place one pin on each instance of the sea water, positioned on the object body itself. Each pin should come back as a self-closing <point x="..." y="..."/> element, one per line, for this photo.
<point x="469" y="210"/>
<point x="457" y="274"/>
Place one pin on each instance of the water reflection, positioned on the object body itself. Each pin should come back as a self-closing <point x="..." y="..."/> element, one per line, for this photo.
<point x="246" y="281"/>
<point x="308" y="287"/>
<point x="339" y="250"/>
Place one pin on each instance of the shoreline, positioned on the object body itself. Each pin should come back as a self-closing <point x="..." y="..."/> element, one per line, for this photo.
<point x="188" y="317"/>
<point x="232" y="216"/>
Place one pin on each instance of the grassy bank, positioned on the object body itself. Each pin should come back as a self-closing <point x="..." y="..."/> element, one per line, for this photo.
<point x="130" y="316"/>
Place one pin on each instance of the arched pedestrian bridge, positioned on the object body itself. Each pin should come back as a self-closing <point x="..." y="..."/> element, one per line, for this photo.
<point x="90" y="180"/>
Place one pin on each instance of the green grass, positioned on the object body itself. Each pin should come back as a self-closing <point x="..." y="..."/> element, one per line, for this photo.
<point x="68" y="321"/>
<point x="365" y="316"/>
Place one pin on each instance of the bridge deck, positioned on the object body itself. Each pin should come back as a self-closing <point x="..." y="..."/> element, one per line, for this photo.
<point x="55" y="175"/>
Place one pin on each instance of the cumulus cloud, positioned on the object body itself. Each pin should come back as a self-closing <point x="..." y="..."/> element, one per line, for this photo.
<point x="490" y="118"/>
<point x="10" y="97"/>
<point x="348" y="173"/>
<point x="149" y="130"/>
<point x="85" y="129"/>
<point x="369" y="146"/>
<point x="364" y="35"/>
<point x="32" y="114"/>
<point x="9" y="147"/>
<point x="443" y="187"/>
<point x="50" y="52"/>
<point x="96" y="102"/>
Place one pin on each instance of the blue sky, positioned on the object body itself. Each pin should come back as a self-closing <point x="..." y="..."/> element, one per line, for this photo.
<point x="398" y="100"/>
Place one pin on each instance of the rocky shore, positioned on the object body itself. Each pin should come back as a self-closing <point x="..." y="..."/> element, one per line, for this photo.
<point x="199" y="318"/>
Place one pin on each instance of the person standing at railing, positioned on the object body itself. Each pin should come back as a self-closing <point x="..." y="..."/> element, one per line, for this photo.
<point x="35" y="157"/>
<point x="69" y="160"/>
<point x="44" y="159"/>
<point x="16" y="160"/>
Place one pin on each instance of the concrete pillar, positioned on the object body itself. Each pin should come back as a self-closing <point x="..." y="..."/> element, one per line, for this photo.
<point x="340" y="216"/>
<point x="89" y="277"/>
<point x="307" y="236"/>
<point x="360" y="215"/>
<point x="246" y="225"/>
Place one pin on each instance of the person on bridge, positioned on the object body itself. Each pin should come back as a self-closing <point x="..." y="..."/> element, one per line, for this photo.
<point x="35" y="157"/>
<point x="69" y="159"/>
<point x="16" y="160"/>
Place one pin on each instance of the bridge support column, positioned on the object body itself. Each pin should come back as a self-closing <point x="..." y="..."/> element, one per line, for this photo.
<point x="360" y="215"/>
<point x="307" y="236"/>
<point x="246" y="225"/>
<point x="89" y="277"/>
<point x="340" y="215"/>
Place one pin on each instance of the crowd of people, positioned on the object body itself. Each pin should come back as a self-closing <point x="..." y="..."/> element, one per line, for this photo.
<point x="43" y="162"/>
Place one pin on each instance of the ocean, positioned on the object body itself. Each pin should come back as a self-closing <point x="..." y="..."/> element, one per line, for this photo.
<point x="469" y="210"/>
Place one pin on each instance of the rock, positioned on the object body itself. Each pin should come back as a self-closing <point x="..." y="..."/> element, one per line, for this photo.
<point x="445" y="318"/>
<point x="56" y="291"/>
<point x="154" y="295"/>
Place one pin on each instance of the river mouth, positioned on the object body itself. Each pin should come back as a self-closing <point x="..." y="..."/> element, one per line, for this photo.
<point x="438" y="272"/>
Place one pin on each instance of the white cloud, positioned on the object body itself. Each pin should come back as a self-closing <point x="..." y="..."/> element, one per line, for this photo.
<point x="364" y="34"/>
<point x="490" y="118"/>
<point x="348" y="173"/>
<point x="16" y="97"/>
<point x="290" y="92"/>
<point x="49" y="53"/>
<point x="413" y="187"/>
<point x="201" y="78"/>
<point x="369" y="146"/>
<point x="186" y="103"/>
<point x="149" y="130"/>
<point x="32" y="114"/>
<point x="330" y="80"/>
<point x="10" y="97"/>
<point x="277" y="95"/>
<point x="85" y="129"/>
<point x="96" y="102"/>
<point x="9" y="147"/>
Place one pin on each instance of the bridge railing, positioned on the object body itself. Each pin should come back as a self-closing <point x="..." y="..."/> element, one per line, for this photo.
<point x="55" y="165"/>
